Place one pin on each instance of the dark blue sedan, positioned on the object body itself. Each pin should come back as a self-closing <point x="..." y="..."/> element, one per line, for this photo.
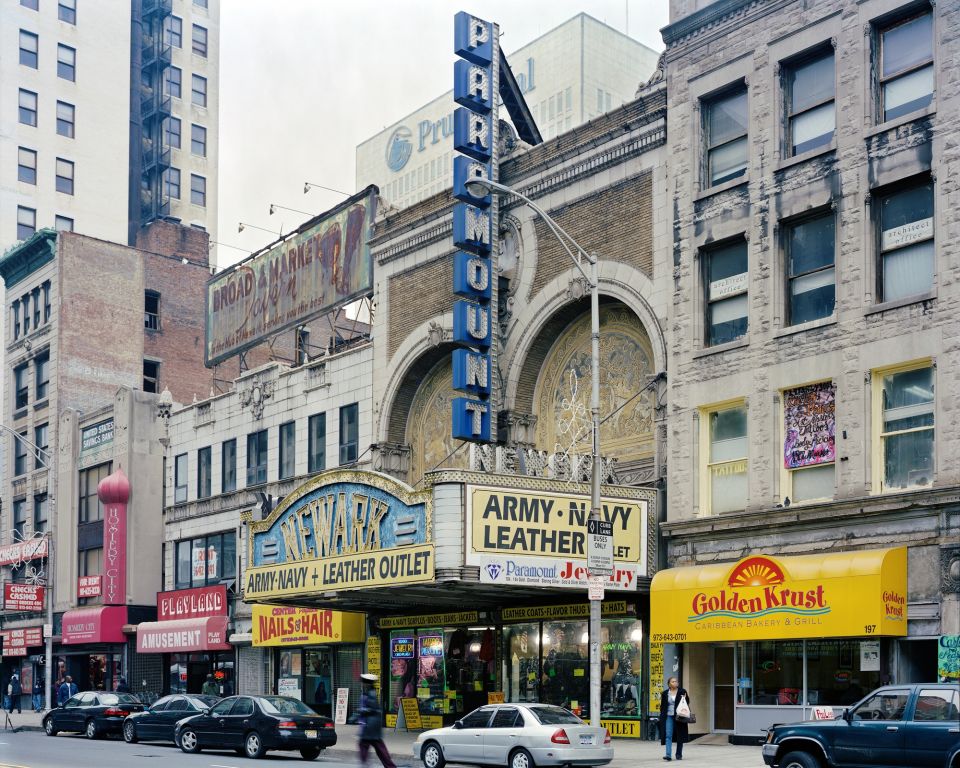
<point x="157" y="722"/>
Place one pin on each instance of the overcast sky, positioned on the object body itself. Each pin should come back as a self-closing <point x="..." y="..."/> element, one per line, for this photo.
<point x="302" y="82"/>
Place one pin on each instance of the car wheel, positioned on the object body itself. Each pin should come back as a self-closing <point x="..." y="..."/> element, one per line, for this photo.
<point x="90" y="731"/>
<point x="189" y="742"/>
<point x="432" y="755"/>
<point x="253" y="746"/>
<point x="129" y="733"/>
<point x="310" y="753"/>
<point x="800" y="760"/>
<point x="521" y="759"/>
<point x="49" y="728"/>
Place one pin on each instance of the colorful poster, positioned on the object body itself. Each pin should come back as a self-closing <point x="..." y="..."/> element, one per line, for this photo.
<point x="948" y="659"/>
<point x="809" y="425"/>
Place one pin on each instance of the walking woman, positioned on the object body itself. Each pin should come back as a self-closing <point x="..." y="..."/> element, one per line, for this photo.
<point x="671" y="731"/>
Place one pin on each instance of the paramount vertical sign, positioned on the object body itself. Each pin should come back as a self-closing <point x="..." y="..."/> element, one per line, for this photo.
<point x="475" y="124"/>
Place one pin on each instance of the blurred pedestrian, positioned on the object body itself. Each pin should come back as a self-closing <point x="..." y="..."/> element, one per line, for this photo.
<point x="122" y="686"/>
<point x="15" y="690"/>
<point x="37" y="693"/>
<point x="371" y="723"/>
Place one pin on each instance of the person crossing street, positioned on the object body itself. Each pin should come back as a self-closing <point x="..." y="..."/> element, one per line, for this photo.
<point x="371" y="724"/>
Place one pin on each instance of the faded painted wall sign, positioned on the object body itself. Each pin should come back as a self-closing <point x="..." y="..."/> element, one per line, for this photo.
<point x="810" y="424"/>
<point x="325" y="264"/>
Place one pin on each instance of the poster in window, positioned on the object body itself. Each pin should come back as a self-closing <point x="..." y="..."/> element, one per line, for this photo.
<point x="809" y="425"/>
<point x="204" y="563"/>
<point x="869" y="655"/>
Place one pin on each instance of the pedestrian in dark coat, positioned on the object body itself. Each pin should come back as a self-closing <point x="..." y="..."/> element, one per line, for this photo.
<point x="671" y="731"/>
<point x="15" y="692"/>
<point x="371" y="728"/>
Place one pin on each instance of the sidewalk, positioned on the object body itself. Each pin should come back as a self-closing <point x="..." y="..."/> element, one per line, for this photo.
<point x="629" y="753"/>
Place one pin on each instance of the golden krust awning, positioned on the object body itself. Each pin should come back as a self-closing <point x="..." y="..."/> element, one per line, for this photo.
<point x="845" y="594"/>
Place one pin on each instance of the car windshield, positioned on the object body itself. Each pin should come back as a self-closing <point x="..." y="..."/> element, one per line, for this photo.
<point x="110" y="699"/>
<point x="281" y="705"/>
<point x="555" y="716"/>
<point x="205" y="701"/>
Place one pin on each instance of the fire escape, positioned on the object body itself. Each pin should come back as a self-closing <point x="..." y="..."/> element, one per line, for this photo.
<point x="155" y="110"/>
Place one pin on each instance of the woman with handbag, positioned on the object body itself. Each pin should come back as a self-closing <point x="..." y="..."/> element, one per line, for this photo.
<point x="673" y="728"/>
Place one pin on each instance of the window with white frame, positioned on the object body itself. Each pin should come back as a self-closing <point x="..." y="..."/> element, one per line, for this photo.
<point x="809" y="250"/>
<point x="809" y="89"/>
<point x="26" y="222"/>
<point x="198" y="190"/>
<point x="349" y="433"/>
<point x="725" y="133"/>
<point x="67" y="11"/>
<point x="725" y="282"/>
<point x="904" y="423"/>
<point x="288" y="450"/>
<point x="906" y="66"/>
<point x="180" y="478"/>
<point x="200" y="40"/>
<point x="204" y="470"/>
<point x="228" y="466"/>
<point x="809" y="445"/>
<point x="26" y="165"/>
<point x="726" y="458"/>
<point x="29" y="47"/>
<point x="64" y="176"/>
<point x="198" y="140"/>
<point x="66" y="62"/>
<point x="257" y="458"/>
<point x="906" y="242"/>
<point x="199" y="93"/>
<point x="28" y="108"/>
<point x="66" y="117"/>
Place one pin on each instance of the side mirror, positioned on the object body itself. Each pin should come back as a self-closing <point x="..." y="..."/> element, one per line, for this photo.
<point x="847" y="715"/>
<point x="458" y="725"/>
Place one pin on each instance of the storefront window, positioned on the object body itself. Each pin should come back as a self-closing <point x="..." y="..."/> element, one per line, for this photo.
<point x="621" y="645"/>
<point x="521" y="662"/>
<point x="771" y="672"/>
<point x="318" y="683"/>
<point x="841" y="672"/>
<point x="188" y="672"/>
<point x="565" y="675"/>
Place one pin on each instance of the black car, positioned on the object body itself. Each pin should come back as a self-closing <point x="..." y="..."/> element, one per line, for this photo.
<point x="897" y="725"/>
<point x="92" y="713"/>
<point x="156" y="722"/>
<point x="252" y="725"/>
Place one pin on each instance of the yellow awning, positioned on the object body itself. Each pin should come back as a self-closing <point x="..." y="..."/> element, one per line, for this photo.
<point x="844" y="594"/>
<point x="290" y="626"/>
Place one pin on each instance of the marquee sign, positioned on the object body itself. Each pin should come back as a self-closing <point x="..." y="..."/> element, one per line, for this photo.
<point x="475" y="123"/>
<point x="341" y="530"/>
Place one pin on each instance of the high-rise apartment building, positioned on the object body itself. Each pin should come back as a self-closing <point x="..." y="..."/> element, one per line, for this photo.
<point x="108" y="116"/>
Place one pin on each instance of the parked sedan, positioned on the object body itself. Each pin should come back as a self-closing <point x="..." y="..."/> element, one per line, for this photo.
<point x="518" y="736"/>
<point x="252" y="725"/>
<point x="156" y="723"/>
<point x="92" y="713"/>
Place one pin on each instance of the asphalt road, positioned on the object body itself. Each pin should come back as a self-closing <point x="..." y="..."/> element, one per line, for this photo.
<point x="37" y="750"/>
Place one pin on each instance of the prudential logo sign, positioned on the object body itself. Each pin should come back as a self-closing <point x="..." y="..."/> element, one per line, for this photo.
<point x="399" y="148"/>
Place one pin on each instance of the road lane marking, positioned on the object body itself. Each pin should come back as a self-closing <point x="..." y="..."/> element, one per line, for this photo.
<point x="212" y="765"/>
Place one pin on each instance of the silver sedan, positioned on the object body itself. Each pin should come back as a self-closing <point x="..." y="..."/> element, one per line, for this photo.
<point x="518" y="736"/>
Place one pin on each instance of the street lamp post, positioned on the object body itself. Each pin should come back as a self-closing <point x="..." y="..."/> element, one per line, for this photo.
<point x="48" y="640"/>
<point x="480" y="187"/>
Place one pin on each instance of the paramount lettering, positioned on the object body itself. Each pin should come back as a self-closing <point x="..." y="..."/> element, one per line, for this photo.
<point x="770" y="597"/>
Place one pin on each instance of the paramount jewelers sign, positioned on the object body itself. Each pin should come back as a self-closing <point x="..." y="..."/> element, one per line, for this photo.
<point x="341" y="530"/>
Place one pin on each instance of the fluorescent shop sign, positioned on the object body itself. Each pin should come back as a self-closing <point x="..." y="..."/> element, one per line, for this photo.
<point x="475" y="122"/>
<point x="848" y="594"/>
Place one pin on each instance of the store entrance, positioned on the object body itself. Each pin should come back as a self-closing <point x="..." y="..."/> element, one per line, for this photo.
<point x="724" y="690"/>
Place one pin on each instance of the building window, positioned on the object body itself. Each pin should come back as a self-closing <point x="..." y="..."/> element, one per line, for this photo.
<point x="25" y="303"/>
<point x="725" y="291"/>
<point x="906" y="66"/>
<point x="20" y="454"/>
<point x="67" y="11"/>
<point x="66" y="62"/>
<point x="204" y="478"/>
<point x="198" y="190"/>
<point x="33" y="5"/>
<point x="41" y="438"/>
<point x="171" y="132"/>
<point x="809" y="448"/>
<point x="906" y="242"/>
<point x="200" y="3"/>
<point x="206" y="560"/>
<point x="288" y="450"/>
<point x="811" y="116"/>
<point x="811" y="282"/>
<point x="28" y="108"/>
<point x="42" y="374"/>
<point x="171" y="183"/>
<point x="198" y="140"/>
<point x="173" y="81"/>
<point x="91" y="508"/>
<point x="726" y="136"/>
<point x="151" y="376"/>
<point x="349" y="433"/>
<point x="200" y="40"/>
<point x="228" y="466"/>
<point x="28" y="49"/>
<point x="64" y="176"/>
<point x="173" y="31"/>
<point x="903" y="404"/>
<point x="19" y="519"/>
<point x="63" y="223"/>
<point x="26" y="165"/>
<point x="41" y="513"/>
<point x="180" y="479"/>
<point x="26" y="222"/>
<point x="317" y="443"/>
<point x="89" y="563"/>
<point x="20" y="387"/>
<point x="46" y="290"/>
<point x="726" y="473"/>
<point x="199" y="91"/>
<point x="36" y="307"/>
<point x="257" y="458"/>
<point x="151" y="310"/>
<point x="65" y="119"/>
<point x="15" y="309"/>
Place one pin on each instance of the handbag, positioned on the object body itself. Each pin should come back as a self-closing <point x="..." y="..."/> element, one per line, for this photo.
<point x="683" y="713"/>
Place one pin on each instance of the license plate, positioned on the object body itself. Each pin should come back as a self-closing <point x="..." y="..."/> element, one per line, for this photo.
<point x="310" y="734"/>
<point x="586" y="739"/>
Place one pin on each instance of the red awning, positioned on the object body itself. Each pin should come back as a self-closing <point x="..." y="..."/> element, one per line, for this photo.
<point x="205" y="634"/>
<point x="102" y="624"/>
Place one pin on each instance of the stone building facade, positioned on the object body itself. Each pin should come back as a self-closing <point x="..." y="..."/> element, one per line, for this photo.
<point x="813" y="318"/>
